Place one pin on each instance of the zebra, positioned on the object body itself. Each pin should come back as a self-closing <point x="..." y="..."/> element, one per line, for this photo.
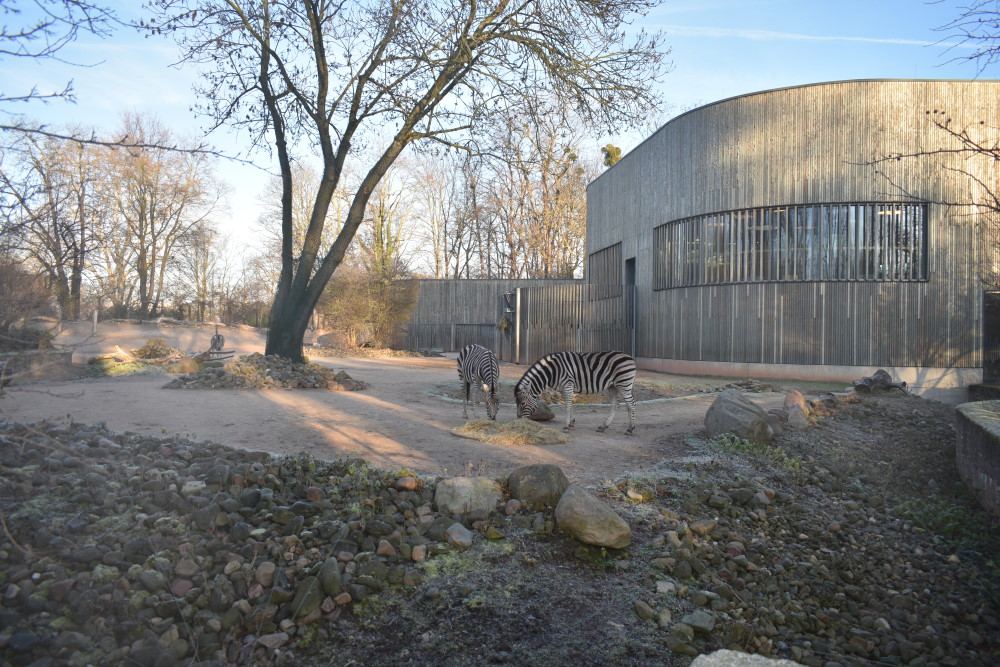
<point x="587" y="373"/>
<point x="477" y="364"/>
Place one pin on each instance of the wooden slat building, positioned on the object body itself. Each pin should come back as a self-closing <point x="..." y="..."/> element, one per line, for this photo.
<point x="762" y="242"/>
<point x="451" y="313"/>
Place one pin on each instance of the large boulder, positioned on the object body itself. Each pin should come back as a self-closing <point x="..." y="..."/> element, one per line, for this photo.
<point x="542" y="412"/>
<point x="586" y="518"/>
<point x="467" y="495"/>
<point x="733" y="412"/>
<point x="538" y="486"/>
<point x="798" y="409"/>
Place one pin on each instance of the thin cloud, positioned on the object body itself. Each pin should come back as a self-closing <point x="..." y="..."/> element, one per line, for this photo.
<point x="772" y="35"/>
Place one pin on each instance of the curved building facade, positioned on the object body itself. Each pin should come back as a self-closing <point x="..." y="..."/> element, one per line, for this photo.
<point x="762" y="240"/>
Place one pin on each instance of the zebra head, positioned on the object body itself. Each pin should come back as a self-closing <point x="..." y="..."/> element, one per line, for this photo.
<point x="526" y="400"/>
<point x="492" y="401"/>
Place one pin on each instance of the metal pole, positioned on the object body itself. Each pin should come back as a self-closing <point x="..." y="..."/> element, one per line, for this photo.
<point x="517" y="326"/>
<point x="634" y="320"/>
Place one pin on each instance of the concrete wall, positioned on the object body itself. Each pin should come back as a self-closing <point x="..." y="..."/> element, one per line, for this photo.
<point x="977" y="451"/>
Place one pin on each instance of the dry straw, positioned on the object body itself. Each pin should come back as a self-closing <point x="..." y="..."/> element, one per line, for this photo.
<point x="514" y="432"/>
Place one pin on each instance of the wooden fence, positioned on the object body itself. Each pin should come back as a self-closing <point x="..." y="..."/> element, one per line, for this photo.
<point x="579" y="318"/>
<point x="536" y="320"/>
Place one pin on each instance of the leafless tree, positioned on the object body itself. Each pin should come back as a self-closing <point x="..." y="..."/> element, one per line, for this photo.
<point x="39" y="30"/>
<point x="977" y="26"/>
<point x="51" y="186"/>
<point x="153" y="200"/>
<point x="968" y="147"/>
<point x="330" y="75"/>
<point x="534" y="223"/>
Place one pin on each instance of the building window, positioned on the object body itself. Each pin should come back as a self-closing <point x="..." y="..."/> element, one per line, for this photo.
<point x="884" y="242"/>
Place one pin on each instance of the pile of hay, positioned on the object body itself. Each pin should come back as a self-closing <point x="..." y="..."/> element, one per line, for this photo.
<point x="155" y="349"/>
<point x="514" y="432"/>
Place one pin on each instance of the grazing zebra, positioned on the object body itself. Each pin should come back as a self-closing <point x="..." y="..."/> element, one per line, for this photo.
<point x="588" y="373"/>
<point x="478" y="365"/>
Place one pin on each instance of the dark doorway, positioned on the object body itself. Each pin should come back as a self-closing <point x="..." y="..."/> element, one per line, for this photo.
<point x="991" y="336"/>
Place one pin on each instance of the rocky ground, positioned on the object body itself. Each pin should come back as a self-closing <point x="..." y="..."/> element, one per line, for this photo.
<point x="849" y="542"/>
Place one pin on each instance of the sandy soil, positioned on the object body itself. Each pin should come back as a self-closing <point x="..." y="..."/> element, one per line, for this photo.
<point x="401" y="420"/>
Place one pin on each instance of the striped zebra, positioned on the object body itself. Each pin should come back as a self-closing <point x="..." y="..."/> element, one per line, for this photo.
<point x="587" y="373"/>
<point x="478" y="365"/>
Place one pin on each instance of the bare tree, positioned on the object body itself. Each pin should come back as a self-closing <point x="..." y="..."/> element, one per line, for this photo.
<point x="51" y="186"/>
<point x="967" y="147"/>
<point x="328" y="75"/>
<point x="977" y="26"/>
<point x="154" y="199"/>
<point x="42" y="32"/>
<point x="438" y="185"/>
<point x="305" y="181"/>
<point x="196" y="277"/>
<point x="534" y="220"/>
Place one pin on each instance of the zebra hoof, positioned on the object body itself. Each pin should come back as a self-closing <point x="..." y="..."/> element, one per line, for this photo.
<point x="602" y="429"/>
<point x="628" y="432"/>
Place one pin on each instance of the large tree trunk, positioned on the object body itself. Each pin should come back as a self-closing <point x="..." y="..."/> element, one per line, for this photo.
<point x="289" y="320"/>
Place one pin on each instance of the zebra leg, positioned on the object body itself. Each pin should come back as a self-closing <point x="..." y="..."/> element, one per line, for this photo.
<point x="568" y="400"/>
<point x="630" y="402"/>
<point x="613" y="395"/>
<point x="465" y="403"/>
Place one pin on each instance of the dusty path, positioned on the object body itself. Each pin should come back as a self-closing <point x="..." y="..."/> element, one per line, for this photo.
<point x="399" y="421"/>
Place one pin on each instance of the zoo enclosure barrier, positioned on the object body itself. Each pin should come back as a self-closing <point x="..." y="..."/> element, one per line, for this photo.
<point x="534" y="321"/>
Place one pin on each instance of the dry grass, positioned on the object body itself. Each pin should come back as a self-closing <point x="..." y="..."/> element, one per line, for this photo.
<point x="514" y="432"/>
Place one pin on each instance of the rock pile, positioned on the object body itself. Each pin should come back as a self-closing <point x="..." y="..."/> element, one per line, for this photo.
<point x="128" y="549"/>
<point x="125" y="549"/>
<point x="257" y="371"/>
<point x="808" y="561"/>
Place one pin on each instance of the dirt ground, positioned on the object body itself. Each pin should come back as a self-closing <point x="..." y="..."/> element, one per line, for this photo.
<point x="402" y="420"/>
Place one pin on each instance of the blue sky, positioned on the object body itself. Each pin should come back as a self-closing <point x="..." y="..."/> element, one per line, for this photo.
<point x="720" y="48"/>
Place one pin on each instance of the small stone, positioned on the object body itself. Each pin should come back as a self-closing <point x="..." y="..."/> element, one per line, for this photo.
<point x="180" y="587"/>
<point x="264" y="574"/>
<point x="273" y="640"/>
<point x="405" y="484"/>
<point x="703" y="526"/>
<point x="459" y="536"/>
<point x="385" y="548"/>
<point x="186" y="568"/>
<point x="664" y="587"/>
<point x="700" y="621"/>
<point x="152" y="581"/>
<point x="643" y="610"/>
